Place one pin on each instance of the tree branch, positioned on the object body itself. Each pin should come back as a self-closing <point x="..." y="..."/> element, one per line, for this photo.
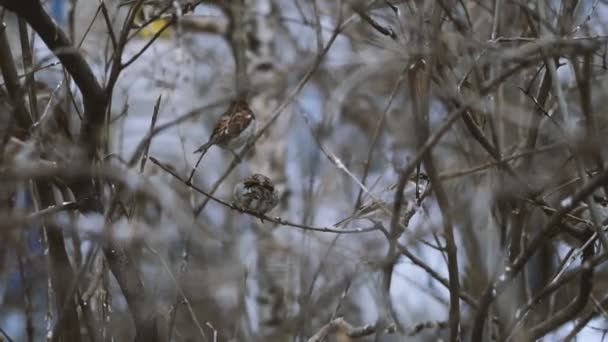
<point x="56" y="40"/>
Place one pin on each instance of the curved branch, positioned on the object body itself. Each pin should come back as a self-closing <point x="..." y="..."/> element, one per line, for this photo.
<point x="57" y="41"/>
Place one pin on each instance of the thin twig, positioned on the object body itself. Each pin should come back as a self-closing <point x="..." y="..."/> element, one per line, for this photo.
<point x="152" y="126"/>
<point x="8" y="338"/>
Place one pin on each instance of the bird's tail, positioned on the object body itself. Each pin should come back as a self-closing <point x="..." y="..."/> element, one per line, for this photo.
<point x="344" y="221"/>
<point x="203" y="149"/>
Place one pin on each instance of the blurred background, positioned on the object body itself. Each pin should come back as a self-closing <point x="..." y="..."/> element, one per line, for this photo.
<point x="346" y="93"/>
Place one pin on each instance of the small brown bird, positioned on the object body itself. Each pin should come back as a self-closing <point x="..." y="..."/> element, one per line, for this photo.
<point x="234" y="129"/>
<point x="256" y="193"/>
<point x="382" y="208"/>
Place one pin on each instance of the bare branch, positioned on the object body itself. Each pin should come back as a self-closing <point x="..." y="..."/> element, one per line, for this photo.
<point x="56" y="40"/>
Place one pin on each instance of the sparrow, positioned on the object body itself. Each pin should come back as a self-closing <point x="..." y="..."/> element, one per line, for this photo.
<point x="382" y="207"/>
<point x="255" y="193"/>
<point x="234" y="129"/>
<point x="379" y="210"/>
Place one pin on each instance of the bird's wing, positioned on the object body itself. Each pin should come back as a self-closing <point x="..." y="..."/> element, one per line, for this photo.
<point x="221" y="131"/>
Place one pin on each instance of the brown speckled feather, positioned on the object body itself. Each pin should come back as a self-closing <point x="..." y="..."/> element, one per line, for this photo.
<point x="256" y="193"/>
<point x="230" y="126"/>
<point x="259" y="180"/>
<point x="232" y="123"/>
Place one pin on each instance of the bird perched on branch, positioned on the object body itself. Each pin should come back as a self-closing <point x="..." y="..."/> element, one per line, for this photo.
<point x="234" y="129"/>
<point x="256" y="193"/>
<point x="382" y="207"/>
